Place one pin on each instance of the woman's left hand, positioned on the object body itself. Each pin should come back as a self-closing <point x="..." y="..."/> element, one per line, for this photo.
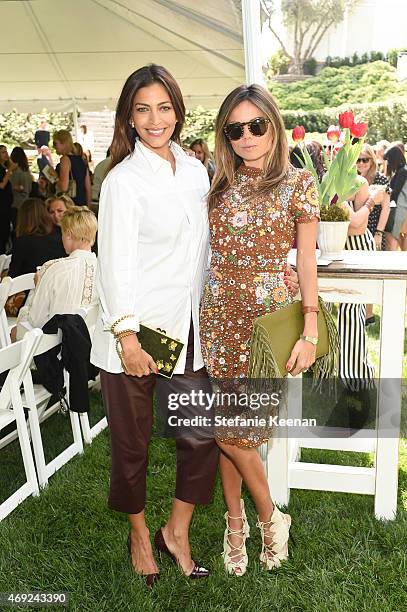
<point x="302" y="357"/>
<point x="291" y="280"/>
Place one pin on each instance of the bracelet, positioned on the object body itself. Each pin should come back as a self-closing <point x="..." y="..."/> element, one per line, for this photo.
<point x="120" y="335"/>
<point x="368" y="206"/>
<point x="116" y="323"/>
<point x="306" y="309"/>
<point x="379" y="232"/>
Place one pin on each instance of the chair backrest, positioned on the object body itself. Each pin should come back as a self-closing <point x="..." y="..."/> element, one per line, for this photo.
<point x="4" y="262"/>
<point x="47" y="342"/>
<point x="90" y="315"/>
<point x="25" y="282"/>
<point x="17" y="358"/>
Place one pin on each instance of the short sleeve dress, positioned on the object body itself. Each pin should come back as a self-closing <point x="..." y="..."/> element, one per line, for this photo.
<point x="250" y="242"/>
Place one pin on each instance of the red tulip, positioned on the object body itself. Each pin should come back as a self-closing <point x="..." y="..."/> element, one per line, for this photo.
<point x="333" y="133"/>
<point x="358" y="130"/>
<point x="298" y="133"/>
<point x="346" y="119"/>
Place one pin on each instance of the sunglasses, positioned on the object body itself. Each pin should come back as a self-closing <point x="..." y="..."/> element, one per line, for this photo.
<point x="363" y="160"/>
<point x="257" y="127"/>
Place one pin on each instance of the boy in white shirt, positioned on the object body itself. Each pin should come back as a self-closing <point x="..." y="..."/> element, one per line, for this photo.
<point x="67" y="284"/>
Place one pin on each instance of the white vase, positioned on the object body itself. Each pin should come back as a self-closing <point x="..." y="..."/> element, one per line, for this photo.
<point x="331" y="238"/>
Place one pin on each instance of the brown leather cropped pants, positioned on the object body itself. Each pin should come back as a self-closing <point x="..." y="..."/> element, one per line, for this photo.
<point x="129" y="405"/>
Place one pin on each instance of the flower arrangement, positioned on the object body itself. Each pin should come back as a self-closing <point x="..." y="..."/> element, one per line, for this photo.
<point x="341" y="180"/>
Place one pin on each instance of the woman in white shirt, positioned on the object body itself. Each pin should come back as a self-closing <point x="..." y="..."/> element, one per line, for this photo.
<point x="153" y="250"/>
<point x="64" y="285"/>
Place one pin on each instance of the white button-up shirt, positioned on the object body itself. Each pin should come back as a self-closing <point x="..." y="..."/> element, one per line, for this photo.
<point x="63" y="286"/>
<point x="153" y="245"/>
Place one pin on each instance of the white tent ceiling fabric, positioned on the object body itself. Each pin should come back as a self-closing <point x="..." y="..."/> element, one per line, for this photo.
<point x="58" y="53"/>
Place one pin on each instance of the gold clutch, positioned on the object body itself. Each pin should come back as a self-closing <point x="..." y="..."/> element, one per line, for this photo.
<point x="163" y="349"/>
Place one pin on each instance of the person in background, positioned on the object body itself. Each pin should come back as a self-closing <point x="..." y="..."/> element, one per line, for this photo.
<point x="42" y="136"/>
<point x="35" y="241"/>
<point x="57" y="207"/>
<point x="380" y="149"/>
<point x="99" y="175"/>
<point x="396" y="229"/>
<point x="87" y="140"/>
<point x="7" y="168"/>
<point x="367" y="167"/>
<point x="21" y="180"/>
<point x="201" y="150"/>
<point x="64" y="285"/>
<point x="72" y="166"/>
<point x="44" y="158"/>
<point x="42" y="188"/>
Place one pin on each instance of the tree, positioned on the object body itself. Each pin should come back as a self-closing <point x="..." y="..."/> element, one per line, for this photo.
<point x="309" y="20"/>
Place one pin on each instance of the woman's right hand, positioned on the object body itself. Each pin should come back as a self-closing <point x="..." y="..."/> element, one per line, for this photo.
<point x="135" y="361"/>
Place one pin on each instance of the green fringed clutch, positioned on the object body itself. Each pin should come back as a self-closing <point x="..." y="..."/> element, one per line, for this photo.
<point x="163" y="349"/>
<point x="275" y="334"/>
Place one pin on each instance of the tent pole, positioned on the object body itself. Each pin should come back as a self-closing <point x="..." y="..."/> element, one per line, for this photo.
<point x="75" y="120"/>
<point x="252" y="41"/>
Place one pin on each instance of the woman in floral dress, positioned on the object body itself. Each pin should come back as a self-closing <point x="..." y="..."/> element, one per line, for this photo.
<point x="258" y="204"/>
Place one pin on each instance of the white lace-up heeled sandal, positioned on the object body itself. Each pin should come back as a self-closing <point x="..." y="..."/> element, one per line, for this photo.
<point x="274" y="535"/>
<point x="235" y="557"/>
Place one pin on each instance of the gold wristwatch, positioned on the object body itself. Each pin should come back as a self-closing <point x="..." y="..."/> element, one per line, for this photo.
<point x="312" y="339"/>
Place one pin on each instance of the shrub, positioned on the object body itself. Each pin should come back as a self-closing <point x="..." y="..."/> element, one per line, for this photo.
<point x="310" y="66"/>
<point x="336" y="86"/>
<point x="278" y="63"/>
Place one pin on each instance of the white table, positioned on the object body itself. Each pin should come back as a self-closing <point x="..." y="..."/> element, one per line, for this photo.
<point x="367" y="278"/>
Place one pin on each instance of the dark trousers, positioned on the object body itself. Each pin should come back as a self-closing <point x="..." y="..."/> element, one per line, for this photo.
<point x="129" y="404"/>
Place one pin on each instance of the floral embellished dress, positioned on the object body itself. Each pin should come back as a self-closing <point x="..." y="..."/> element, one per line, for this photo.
<point x="250" y="242"/>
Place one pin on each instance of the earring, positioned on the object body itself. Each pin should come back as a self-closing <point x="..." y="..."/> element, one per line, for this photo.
<point x="132" y="124"/>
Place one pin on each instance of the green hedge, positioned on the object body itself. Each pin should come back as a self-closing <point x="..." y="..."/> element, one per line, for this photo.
<point x="19" y="128"/>
<point x="387" y="120"/>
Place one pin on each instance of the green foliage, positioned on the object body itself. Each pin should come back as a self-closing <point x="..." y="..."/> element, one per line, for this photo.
<point x="310" y="66"/>
<point x="199" y="123"/>
<point x="393" y="54"/>
<point x="335" y="86"/>
<point x="278" y="63"/>
<point x="355" y="60"/>
<point x="334" y="213"/>
<point x="19" y="128"/>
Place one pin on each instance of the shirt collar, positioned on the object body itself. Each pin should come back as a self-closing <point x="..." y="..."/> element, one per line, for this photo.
<point x="82" y="253"/>
<point x="156" y="161"/>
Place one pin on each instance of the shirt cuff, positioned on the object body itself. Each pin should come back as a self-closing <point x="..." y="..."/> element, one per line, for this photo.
<point x="120" y="324"/>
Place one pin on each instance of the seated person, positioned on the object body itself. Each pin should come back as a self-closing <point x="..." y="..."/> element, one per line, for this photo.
<point x="64" y="285"/>
<point x="57" y="206"/>
<point x="36" y="242"/>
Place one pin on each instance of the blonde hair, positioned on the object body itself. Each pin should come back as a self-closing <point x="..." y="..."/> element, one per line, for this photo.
<point x="80" y="222"/>
<point x="200" y="142"/>
<point x="63" y="198"/>
<point x="369" y="151"/>
<point x="277" y="161"/>
<point x="65" y="138"/>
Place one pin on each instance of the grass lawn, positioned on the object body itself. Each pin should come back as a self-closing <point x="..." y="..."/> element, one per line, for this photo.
<point x="343" y="559"/>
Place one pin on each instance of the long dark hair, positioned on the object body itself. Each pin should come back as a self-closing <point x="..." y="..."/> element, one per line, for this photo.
<point x="227" y="161"/>
<point x="124" y="136"/>
<point x="20" y="158"/>
<point x="395" y="159"/>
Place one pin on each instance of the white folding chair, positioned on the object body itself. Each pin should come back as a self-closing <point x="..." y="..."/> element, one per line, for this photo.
<point x="90" y="316"/>
<point x="36" y="398"/>
<point x="8" y="287"/>
<point x="17" y="358"/>
<point x="4" y="262"/>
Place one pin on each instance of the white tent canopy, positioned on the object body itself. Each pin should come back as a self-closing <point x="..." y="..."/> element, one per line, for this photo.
<point x="60" y="54"/>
